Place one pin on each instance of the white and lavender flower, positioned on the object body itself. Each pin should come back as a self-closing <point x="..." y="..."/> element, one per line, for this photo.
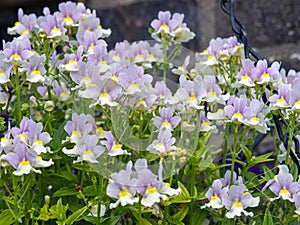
<point x="166" y="120"/>
<point x="236" y="201"/>
<point x="113" y="147"/>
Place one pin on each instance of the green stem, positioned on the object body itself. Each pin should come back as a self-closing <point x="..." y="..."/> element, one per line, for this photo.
<point x="233" y="153"/>
<point x="225" y="148"/>
<point x="165" y="48"/>
<point x="18" y="94"/>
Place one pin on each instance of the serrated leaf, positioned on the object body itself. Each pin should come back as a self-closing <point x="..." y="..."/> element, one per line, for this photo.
<point x="76" y="215"/>
<point x="65" y="191"/>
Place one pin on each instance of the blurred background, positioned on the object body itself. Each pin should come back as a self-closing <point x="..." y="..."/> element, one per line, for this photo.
<point x="273" y="26"/>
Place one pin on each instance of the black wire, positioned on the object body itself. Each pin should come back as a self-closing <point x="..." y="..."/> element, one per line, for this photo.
<point x="239" y="29"/>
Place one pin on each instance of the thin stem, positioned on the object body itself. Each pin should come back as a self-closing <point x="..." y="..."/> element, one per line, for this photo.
<point x="233" y="153"/>
<point x="165" y="48"/>
<point x="18" y="94"/>
<point x="225" y="148"/>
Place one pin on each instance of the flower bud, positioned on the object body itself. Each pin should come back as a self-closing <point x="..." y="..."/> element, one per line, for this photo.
<point x="49" y="106"/>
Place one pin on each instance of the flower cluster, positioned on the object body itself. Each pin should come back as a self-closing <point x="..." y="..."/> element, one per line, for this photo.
<point x="23" y="148"/>
<point x="231" y="193"/>
<point x="130" y="132"/>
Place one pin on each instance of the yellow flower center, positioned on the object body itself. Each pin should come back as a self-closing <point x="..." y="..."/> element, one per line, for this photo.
<point x="104" y="94"/>
<point x="265" y="74"/>
<point x="256" y="119"/>
<point x="123" y="193"/>
<point x="210" y="57"/>
<point x="237" y="203"/>
<point x="238" y="114"/>
<point x="88" y="152"/>
<point x="280" y="100"/>
<point x="36" y="72"/>
<point x="56" y="29"/>
<point x="68" y="19"/>
<point x="245" y="77"/>
<point x="117" y="146"/>
<point x="214" y="197"/>
<point x="192" y="98"/>
<point x="164" y="26"/>
<point x="211" y="92"/>
<point x="284" y="191"/>
<point x="24" y="32"/>
<point x="39" y="142"/>
<point x="15" y="56"/>
<point x="25" y="162"/>
<point x="166" y="123"/>
<point x="151" y="190"/>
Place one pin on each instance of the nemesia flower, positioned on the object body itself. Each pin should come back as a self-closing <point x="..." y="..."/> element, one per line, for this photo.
<point x="68" y="14"/>
<point x="205" y="125"/>
<point x="284" y="187"/>
<point x="182" y="32"/>
<point x="257" y="120"/>
<point x="190" y="93"/>
<point x="35" y="69"/>
<point x="282" y="99"/>
<point x="236" y="201"/>
<point x="295" y="97"/>
<point x="79" y="127"/>
<point x="215" y="195"/>
<point x="70" y="62"/>
<point x="222" y="49"/>
<point x="236" y="180"/>
<point x="182" y="70"/>
<point x="5" y="69"/>
<point x="163" y="143"/>
<point x="100" y="56"/>
<point x="282" y="169"/>
<point x="238" y="110"/>
<point x="112" y="146"/>
<point x="52" y="27"/>
<point x="17" y="51"/>
<point x="166" y="120"/>
<point x="88" y="150"/>
<point x="163" y="25"/>
<point x="24" y="25"/>
<point x="122" y="187"/>
<point x="162" y="93"/>
<point x="212" y="89"/>
<point x="246" y="76"/>
<point x="22" y="160"/>
<point x="133" y="79"/>
<point x="265" y="74"/>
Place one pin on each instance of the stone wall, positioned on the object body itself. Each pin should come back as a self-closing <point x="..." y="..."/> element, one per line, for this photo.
<point x="273" y="26"/>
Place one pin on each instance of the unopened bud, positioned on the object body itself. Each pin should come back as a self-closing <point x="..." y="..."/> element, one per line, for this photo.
<point x="49" y="106"/>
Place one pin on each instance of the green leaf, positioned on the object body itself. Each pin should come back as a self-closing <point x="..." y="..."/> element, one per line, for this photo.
<point x="184" y="192"/>
<point x="140" y="219"/>
<point x="179" y="216"/>
<point x="260" y="159"/>
<point x="76" y="215"/>
<point x="65" y="191"/>
<point x="247" y="152"/>
<point x="59" y="211"/>
<point x="268" y="218"/>
<point x="6" y="217"/>
<point x="294" y="171"/>
<point x="89" y="191"/>
<point x="268" y="173"/>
